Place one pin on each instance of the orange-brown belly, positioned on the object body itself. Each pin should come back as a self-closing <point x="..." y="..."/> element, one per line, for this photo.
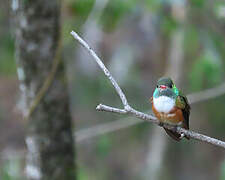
<point x="175" y="116"/>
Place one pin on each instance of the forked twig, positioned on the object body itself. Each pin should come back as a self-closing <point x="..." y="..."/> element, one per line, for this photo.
<point x="129" y="110"/>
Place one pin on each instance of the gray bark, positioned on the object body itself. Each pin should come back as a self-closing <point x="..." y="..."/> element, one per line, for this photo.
<point x="49" y="132"/>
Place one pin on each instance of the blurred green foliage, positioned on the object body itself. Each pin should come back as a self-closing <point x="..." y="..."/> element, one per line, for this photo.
<point x="191" y="40"/>
<point x="197" y="3"/>
<point x="7" y="62"/>
<point x="218" y="41"/>
<point x="203" y="45"/>
<point x="217" y="119"/>
<point x="90" y="89"/>
<point x="80" y="8"/>
<point x="206" y="71"/>
<point x="11" y="169"/>
<point x="82" y="174"/>
<point x="104" y="145"/>
<point x="153" y="5"/>
<point x="168" y="24"/>
<point x="114" y="12"/>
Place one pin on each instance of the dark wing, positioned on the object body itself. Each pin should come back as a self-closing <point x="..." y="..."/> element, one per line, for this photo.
<point x="172" y="134"/>
<point x="183" y="104"/>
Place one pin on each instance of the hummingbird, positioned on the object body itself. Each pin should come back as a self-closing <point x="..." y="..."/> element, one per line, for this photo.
<point x="170" y="106"/>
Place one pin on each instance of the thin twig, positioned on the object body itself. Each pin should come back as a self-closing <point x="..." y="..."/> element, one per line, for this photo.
<point x="129" y="110"/>
<point x="206" y="94"/>
<point x="132" y="111"/>
<point x="105" y="70"/>
<point x="108" y="127"/>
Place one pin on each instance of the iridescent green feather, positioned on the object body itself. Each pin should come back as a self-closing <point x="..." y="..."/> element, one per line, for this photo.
<point x="181" y="101"/>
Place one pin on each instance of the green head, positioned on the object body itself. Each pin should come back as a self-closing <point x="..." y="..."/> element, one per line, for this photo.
<point x="166" y="87"/>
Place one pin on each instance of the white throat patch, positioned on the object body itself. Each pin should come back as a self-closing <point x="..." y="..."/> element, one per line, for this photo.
<point x="163" y="104"/>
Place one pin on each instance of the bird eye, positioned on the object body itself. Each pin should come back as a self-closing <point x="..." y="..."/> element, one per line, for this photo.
<point x="171" y="86"/>
<point x="157" y="86"/>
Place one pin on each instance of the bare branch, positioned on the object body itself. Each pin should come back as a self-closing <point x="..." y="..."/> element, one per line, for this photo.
<point x="132" y="111"/>
<point x="102" y="107"/>
<point x="125" y="123"/>
<point x="105" y="128"/>
<point x="201" y="137"/>
<point x="129" y="110"/>
<point x="206" y="94"/>
<point x="104" y="69"/>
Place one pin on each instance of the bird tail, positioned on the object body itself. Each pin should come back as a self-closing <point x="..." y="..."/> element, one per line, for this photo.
<point x="174" y="135"/>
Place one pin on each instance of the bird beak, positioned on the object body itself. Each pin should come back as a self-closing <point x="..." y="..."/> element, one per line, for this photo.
<point x="162" y="87"/>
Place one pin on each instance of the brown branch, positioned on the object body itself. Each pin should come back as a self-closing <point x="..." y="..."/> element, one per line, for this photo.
<point x="129" y="110"/>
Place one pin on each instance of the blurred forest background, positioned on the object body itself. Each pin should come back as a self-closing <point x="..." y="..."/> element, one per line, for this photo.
<point x="139" y="42"/>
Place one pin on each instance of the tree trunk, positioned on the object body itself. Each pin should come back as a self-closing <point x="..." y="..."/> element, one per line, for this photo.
<point x="49" y="133"/>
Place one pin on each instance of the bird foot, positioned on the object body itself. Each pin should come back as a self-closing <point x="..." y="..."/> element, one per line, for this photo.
<point x="161" y="124"/>
<point x="181" y="135"/>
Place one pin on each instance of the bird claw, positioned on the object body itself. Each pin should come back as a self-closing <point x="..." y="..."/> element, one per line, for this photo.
<point x="161" y="124"/>
<point x="181" y="135"/>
